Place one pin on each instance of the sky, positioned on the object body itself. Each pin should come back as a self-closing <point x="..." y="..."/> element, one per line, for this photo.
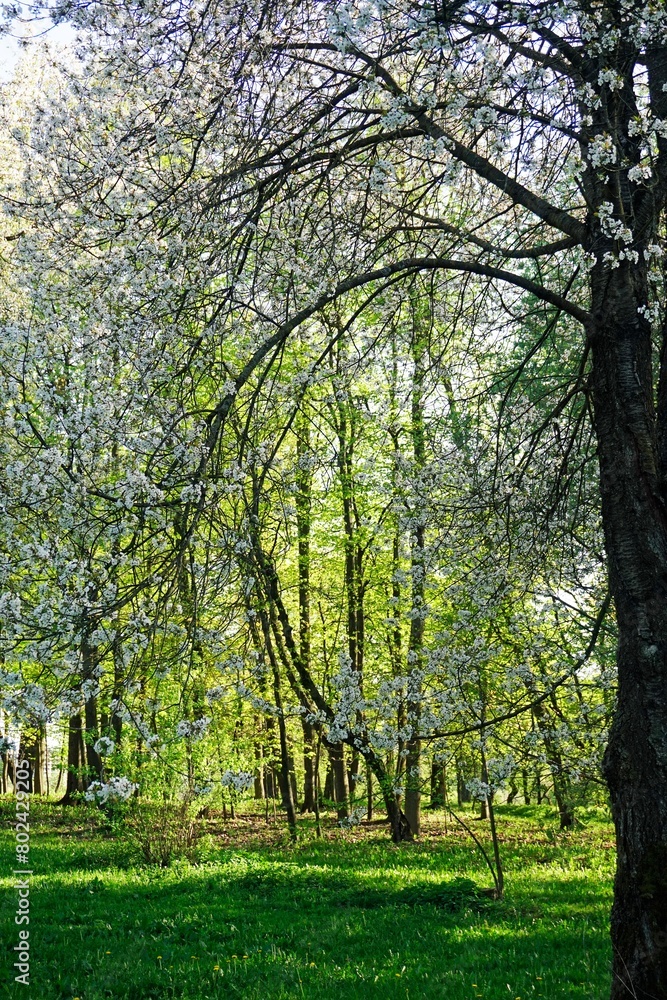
<point x="10" y="50"/>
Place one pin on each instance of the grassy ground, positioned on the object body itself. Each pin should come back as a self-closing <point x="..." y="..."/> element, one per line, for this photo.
<point x="334" y="918"/>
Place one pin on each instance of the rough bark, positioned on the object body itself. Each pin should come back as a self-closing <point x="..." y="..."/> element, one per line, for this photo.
<point x="635" y="525"/>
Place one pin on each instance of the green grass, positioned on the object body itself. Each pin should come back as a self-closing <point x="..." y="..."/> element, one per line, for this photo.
<point x="343" y="917"/>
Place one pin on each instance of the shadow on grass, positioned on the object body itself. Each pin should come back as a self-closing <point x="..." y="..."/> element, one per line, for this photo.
<point x="283" y="931"/>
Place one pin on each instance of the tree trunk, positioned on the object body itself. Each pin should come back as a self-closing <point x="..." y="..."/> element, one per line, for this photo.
<point x="369" y="794"/>
<point x="418" y="568"/>
<point x="32" y="750"/>
<point x="462" y="793"/>
<point x="286" y="763"/>
<point x="438" y="785"/>
<point x="259" y="789"/>
<point x="524" y="784"/>
<point x="562" y="794"/>
<point x="483" y="808"/>
<point x="400" y="827"/>
<point x="116" y="718"/>
<point x="329" y="793"/>
<point x="513" y="792"/>
<point x="308" y="767"/>
<point x="543" y="719"/>
<point x="632" y="487"/>
<point x="304" y="478"/>
<point x="75" y="761"/>
<point x="341" y="788"/>
<point x="89" y="662"/>
<point x="355" y="585"/>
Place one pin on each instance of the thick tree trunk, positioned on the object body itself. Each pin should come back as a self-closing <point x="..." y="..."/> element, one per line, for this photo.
<point x="635" y="525"/>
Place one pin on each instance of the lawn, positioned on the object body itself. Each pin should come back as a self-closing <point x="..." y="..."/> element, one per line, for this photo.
<point x="341" y="917"/>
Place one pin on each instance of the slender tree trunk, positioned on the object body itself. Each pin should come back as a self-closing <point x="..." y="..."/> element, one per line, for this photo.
<point x="400" y="828"/>
<point x="286" y="764"/>
<point x="544" y="721"/>
<point x="524" y="783"/>
<point x="304" y="479"/>
<point x="89" y="662"/>
<point x="395" y="634"/>
<point x="41" y="775"/>
<point x="341" y="788"/>
<point x="438" y="785"/>
<point x="116" y="717"/>
<point x="308" y="767"/>
<point x="347" y="432"/>
<point x="259" y="788"/>
<point x="329" y="791"/>
<point x="29" y="754"/>
<point x="462" y="793"/>
<point x="513" y="792"/>
<point x="270" y="758"/>
<point x="369" y="794"/>
<point x="32" y="750"/>
<point x="418" y="568"/>
<point x="318" y="825"/>
<point x="75" y="760"/>
<point x="484" y="809"/>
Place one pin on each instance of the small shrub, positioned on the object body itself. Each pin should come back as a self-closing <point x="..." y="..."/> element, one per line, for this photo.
<point x="163" y="832"/>
<point x="459" y="894"/>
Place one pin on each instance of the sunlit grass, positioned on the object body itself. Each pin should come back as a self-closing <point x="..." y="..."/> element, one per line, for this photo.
<point x="324" y="919"/>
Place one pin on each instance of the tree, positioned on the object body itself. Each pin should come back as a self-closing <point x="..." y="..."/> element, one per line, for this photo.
<point x="544" y="129"/>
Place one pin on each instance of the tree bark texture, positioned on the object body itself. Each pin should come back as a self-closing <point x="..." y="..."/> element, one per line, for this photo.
<point x="632" y="485"/>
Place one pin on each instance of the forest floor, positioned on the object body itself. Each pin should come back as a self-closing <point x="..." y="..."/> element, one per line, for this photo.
<point x="345" y="916"/>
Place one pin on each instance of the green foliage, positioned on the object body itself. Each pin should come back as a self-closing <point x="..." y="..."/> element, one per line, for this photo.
<point x="274" y="922"/>
<point x="163" y="832"/>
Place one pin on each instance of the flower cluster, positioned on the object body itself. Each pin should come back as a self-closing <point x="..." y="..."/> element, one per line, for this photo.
<point x="104" y="746"/>
<point x="240" y="781"/>
<point x="118" y="789"/>
<point x="194" y="731"/>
